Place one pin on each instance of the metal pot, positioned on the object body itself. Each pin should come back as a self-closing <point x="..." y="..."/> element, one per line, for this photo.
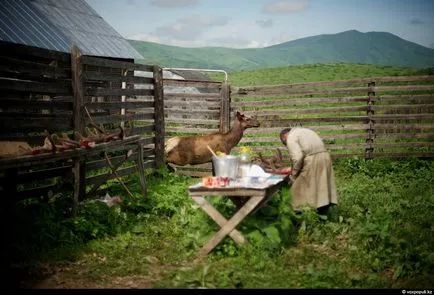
<point x="226" y="166"/>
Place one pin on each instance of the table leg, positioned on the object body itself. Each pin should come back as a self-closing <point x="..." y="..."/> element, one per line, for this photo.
<point x="218" y="218"/>
<point x="230" y="225"/>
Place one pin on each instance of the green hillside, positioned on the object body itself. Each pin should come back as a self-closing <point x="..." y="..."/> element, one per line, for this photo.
<point x="315" y="72"/>
<point x="347" y="47"/>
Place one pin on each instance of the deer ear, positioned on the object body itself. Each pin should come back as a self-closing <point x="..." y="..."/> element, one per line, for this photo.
<point x="239" y="115"/>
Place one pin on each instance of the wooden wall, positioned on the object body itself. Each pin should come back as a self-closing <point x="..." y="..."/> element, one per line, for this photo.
<point x="62" y="92"/>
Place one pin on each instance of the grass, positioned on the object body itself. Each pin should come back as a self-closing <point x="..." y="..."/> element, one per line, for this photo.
<point x="379" y="236"/>
<point x="314" y="73"/>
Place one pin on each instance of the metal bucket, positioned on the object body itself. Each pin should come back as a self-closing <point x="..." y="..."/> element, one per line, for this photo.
<point x="226" y="166"/>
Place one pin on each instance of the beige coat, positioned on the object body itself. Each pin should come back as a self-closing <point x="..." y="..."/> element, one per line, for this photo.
<point x="315" y="184"/>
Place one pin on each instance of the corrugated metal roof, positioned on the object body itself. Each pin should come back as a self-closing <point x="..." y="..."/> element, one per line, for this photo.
<point x="60" y="24"/>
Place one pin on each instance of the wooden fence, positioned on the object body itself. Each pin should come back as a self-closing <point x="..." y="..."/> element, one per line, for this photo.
<point x="372" y="117"/>
<point x="60" y="92"/>
<point x="195" y="107"/>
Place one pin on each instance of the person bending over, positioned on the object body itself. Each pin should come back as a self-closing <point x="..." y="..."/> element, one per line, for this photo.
<point x="312" y="175"/>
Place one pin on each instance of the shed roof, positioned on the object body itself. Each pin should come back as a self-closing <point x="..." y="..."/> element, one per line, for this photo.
<point x="60" y="24"/>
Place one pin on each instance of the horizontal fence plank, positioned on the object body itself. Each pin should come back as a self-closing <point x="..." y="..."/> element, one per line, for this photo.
<point x="121" y="173"/>
<point x="103" y="62"/>
<point x="406" y="97"/>
<point x="290" y="89"/>
<point x="20" y="116"/>
<point x="399" y="107"/>
<point x="29" y="70"/>
<point x="403" y="88"/>
<point x="119" y="105"/>
<point x="98" y="164"/>
<point x="98" y="76"/>
<point x="191" y="83"/>
<point x="299" y="101"/>
<point x="192" y="121"/>
<point x="402" y="144"/>
<point x="43" y="174"/>
<point x="36" y="87"/>
<point x="35" y="104"/>
<point x="291" y="121"/>
<point x="35" y="124"/>
<point x="403" y="155"/>
<point x="407" y="135"/>
<point x="314" y="110"/>
<point x="275" y="139"/>
<point x="118" y="91"/>
<point x="194" y="131"/>
<point x="403" y="126"/>
<point x="191" y="112"/>
<point x="192" y="104"/>
<point x="333" y="147"/>
<point x="385" y="117"/>
<point x="192" y="96"/>
<point x="143" y="129"/>
<point x="117" y="118"/>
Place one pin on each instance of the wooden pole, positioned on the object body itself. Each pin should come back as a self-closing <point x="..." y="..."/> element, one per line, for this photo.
<point x="141" y="169"/>
<point x="159" y="116"/>
<point x="225" y="107"/>
<point x="78" y="124"/>
<point x="369" y="148"/>
<point x="77" y="88"/>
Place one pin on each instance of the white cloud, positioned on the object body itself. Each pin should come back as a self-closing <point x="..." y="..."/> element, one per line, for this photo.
<point x="174" y="3"/>
<point x="281" y="38"/>
<point x="268" y="23"/>
<point x="205" y="31"/>
<point x="285" y="6"/>
<point x="189" y="28"/>
<point x="144" y="37"/>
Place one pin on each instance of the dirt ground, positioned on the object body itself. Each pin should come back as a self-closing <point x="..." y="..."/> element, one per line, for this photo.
<point x="68" y="278"/>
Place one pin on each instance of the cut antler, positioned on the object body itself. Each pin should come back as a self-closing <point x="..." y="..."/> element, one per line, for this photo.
<point x="271" y="163"/>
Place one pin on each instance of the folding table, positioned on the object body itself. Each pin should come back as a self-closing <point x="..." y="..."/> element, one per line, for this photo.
<point x="257" y="193"/>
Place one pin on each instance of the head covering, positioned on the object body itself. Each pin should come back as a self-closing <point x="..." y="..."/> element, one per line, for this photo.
<point x="283" y="132"/>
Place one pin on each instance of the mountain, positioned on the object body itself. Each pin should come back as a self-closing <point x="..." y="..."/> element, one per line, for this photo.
<point x="377" y="48"/>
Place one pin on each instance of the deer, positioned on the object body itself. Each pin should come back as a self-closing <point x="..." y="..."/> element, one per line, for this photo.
<point x="193" y="150"/>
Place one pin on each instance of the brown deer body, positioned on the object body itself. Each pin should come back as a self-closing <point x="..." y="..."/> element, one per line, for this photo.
<point x="193" y="149"/>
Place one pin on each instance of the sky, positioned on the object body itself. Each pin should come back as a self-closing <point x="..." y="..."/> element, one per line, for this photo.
<point x="261" y="23"/>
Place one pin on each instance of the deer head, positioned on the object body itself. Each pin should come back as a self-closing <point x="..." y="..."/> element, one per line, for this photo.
<point x="247" y="121"/>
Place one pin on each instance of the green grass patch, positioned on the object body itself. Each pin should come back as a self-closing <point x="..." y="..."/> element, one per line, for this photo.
<point x="379" y="236"/>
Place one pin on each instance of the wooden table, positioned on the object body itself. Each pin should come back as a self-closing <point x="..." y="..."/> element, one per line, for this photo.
<point x="257" y="194"/>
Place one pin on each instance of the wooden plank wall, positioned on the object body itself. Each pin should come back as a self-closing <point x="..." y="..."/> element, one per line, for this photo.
<point x="195" y="108"/>
<point x="372" y="117"/>
<point x="38" y="94"/>
<point x="116" y="96"/>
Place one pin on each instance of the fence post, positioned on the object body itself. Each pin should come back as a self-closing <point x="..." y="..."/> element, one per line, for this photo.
<point x="78" y="123"/>
<point x="225" y="107"/>
<point x="160" y="131"/>
<point x="369" y="147"/>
